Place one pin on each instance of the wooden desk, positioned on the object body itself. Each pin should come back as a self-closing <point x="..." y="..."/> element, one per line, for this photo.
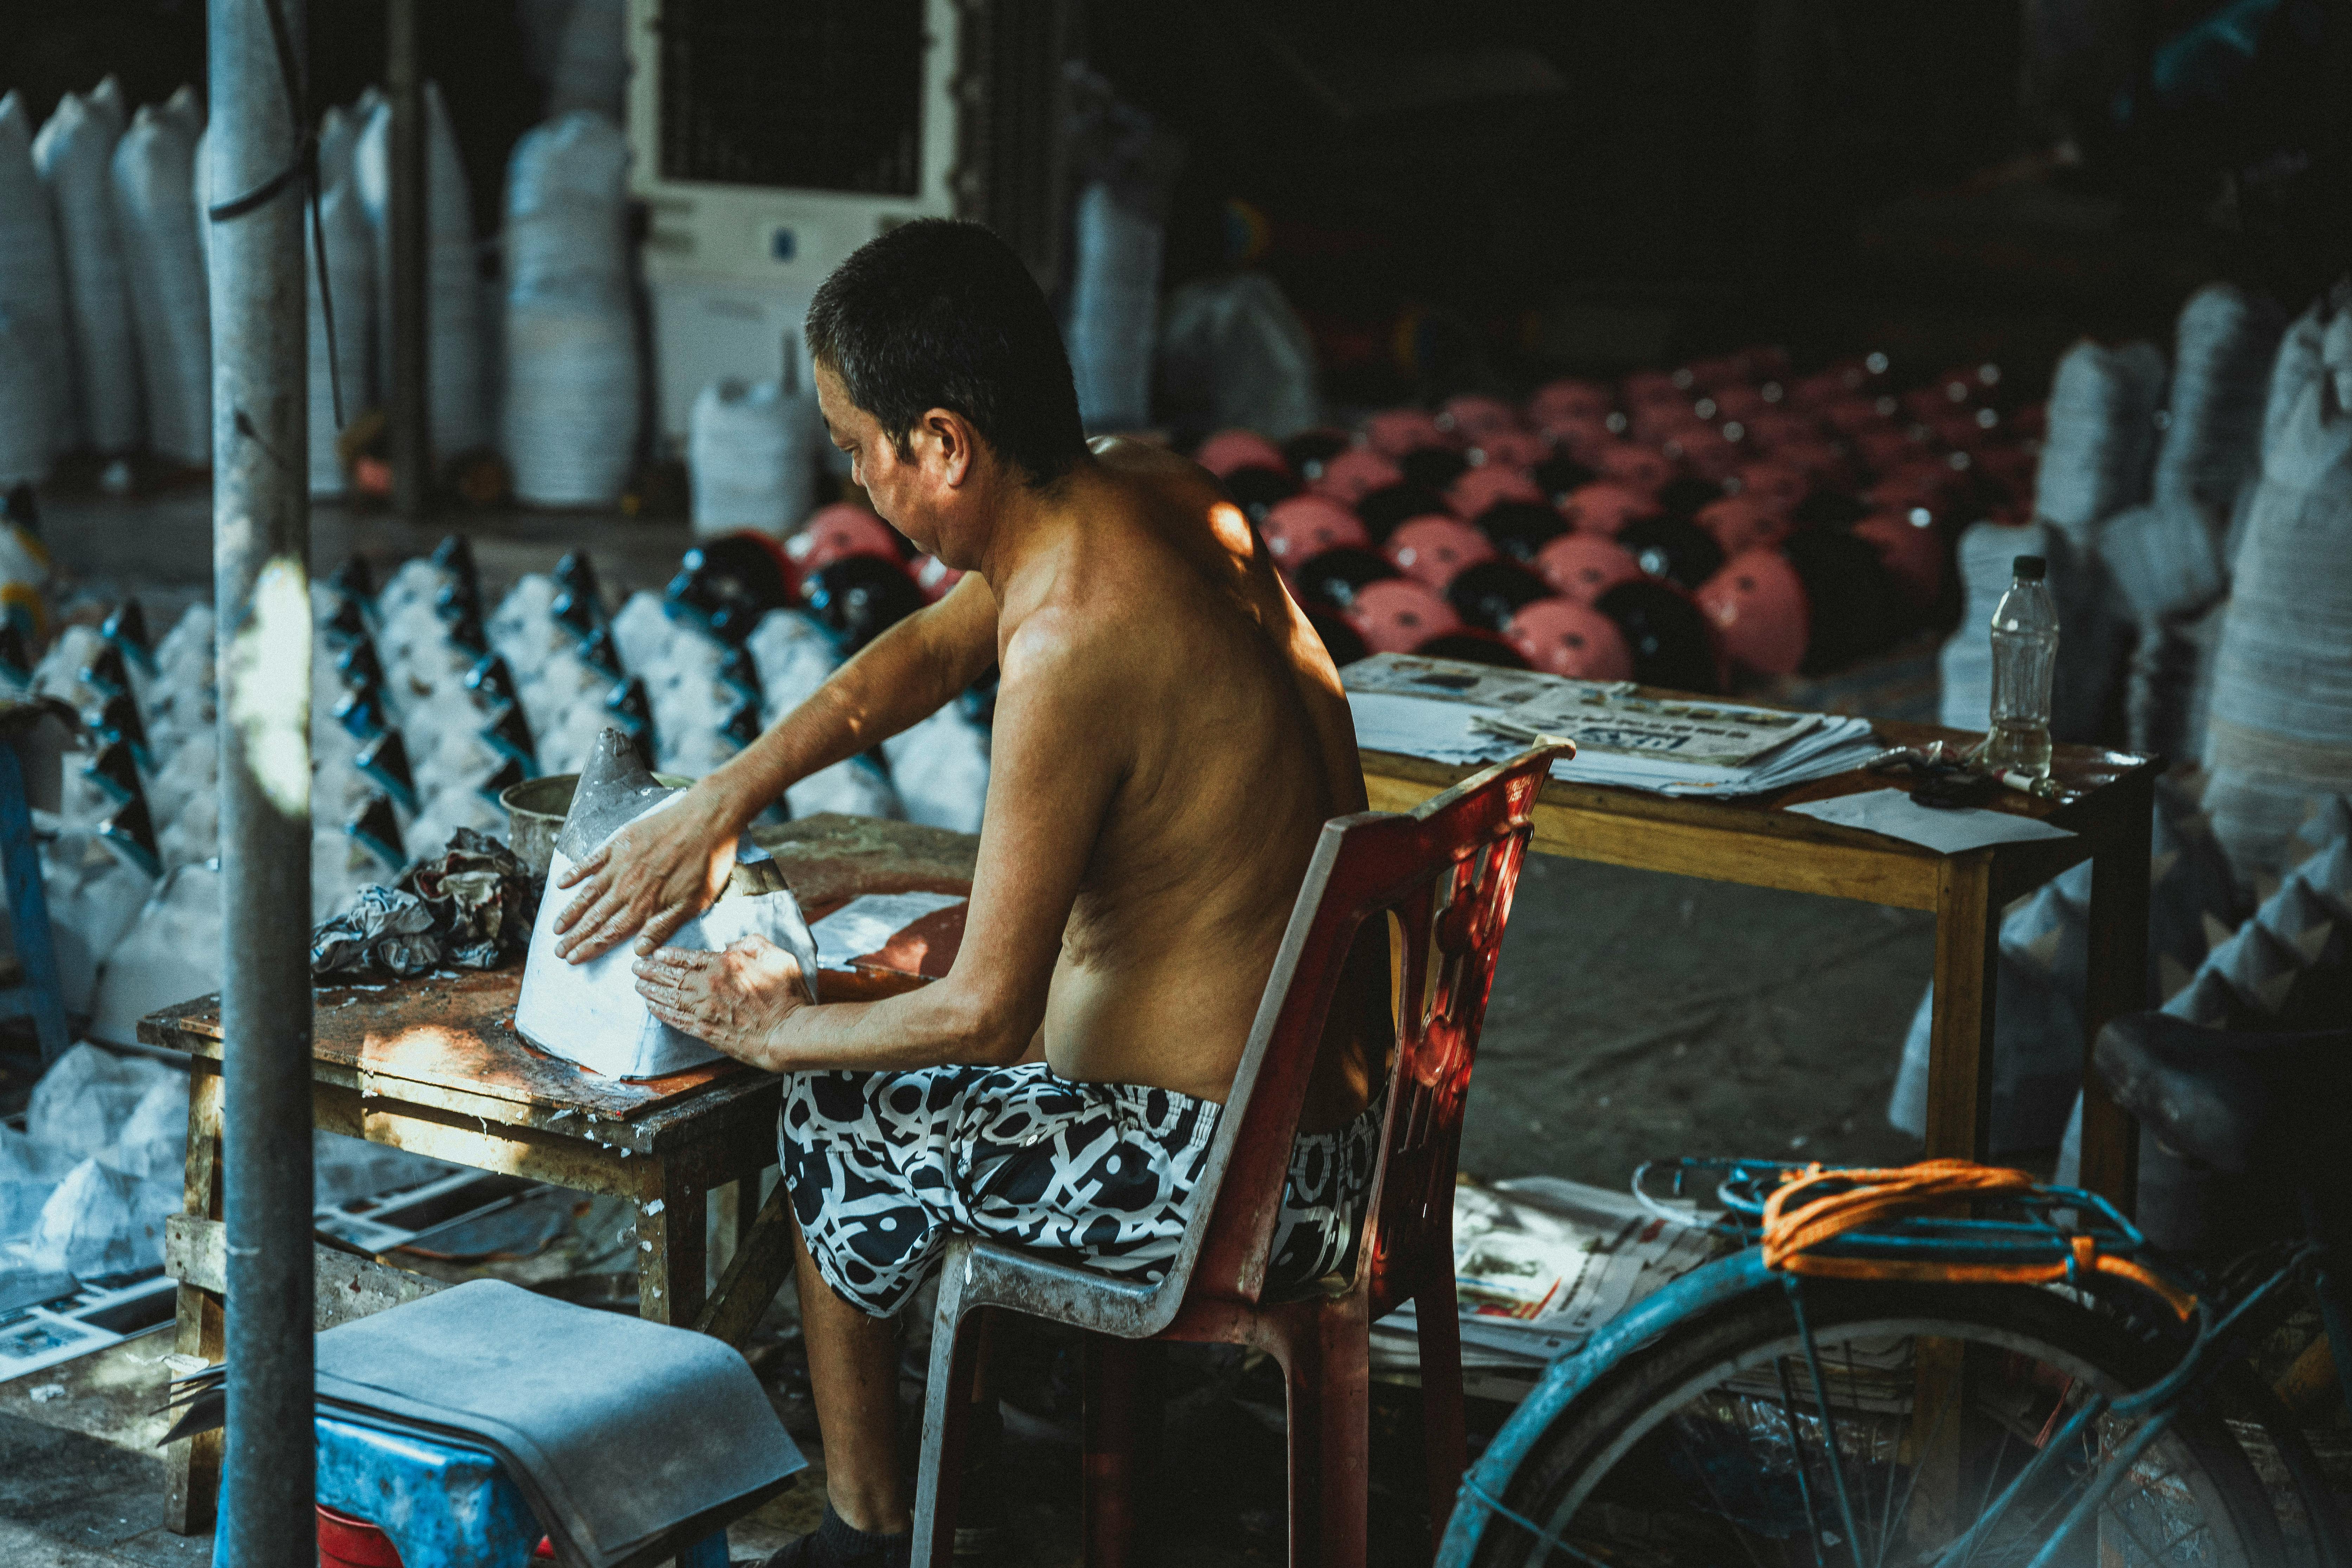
<point x="2111" y="796"/>
<point x="432" y="1065"/>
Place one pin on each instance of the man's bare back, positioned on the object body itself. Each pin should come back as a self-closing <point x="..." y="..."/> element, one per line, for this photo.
<point x="1236" y="747"/>
<point x="1169" y="738"/>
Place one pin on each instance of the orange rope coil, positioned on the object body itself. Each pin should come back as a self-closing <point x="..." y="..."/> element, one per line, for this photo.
<point x="1794" y="1225"/>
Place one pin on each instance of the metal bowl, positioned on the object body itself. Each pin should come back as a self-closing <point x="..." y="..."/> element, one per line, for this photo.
<point x="536" y="809"/>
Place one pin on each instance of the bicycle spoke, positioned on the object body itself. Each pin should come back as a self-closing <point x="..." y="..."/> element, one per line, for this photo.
<point x="1992" y="1476"/>
<point x="1712" y="1495"/>
<point x="2155" y="1558"/>
<point x="1854" y="1397"/>
<point x="1829" y="1417"/>
<point x="1797" y="1455"/>
<point x="1913" y="1485"/>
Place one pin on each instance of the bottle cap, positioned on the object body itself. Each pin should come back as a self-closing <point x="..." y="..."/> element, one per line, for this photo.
<point x="2030" y="568"/>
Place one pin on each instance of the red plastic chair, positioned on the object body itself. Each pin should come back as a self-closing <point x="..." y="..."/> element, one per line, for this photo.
<point x="1446" y="870"/>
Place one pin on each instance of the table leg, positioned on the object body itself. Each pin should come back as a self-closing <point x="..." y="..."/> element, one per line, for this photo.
<point x="1960" y="1043"/>
<point x="191" y="1467"/>
<point x="763" y="1258"/>
<point x="2117" y="985"/>
<point x="672" y="1249"/>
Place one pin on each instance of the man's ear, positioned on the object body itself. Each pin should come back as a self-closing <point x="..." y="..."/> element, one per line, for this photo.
<point x="954" y="437"/>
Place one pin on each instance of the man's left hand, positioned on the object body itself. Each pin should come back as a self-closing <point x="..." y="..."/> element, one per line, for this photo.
<point x="731" y="1000"/>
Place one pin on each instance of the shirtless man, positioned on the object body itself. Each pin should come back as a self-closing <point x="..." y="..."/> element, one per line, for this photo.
<point x="1169" y="738"/>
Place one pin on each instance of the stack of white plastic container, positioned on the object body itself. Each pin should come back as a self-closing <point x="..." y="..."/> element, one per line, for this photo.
<point x="571" y="369"/>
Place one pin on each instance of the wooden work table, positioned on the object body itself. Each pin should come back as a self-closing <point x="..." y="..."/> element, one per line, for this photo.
<point x="2109" y="799"/>
<point x="432" y="1065"/>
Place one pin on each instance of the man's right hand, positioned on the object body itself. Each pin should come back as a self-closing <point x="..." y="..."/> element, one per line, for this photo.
<point x="648" y="879"/>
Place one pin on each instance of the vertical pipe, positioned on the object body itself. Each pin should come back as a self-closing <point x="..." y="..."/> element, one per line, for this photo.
<point x="411" y="436"/>
<point x="260" y="578"/>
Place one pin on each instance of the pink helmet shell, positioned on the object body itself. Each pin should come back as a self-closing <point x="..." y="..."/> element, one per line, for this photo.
<point x="1605" y="508"/>
<point x="1581" y="567"/>
<point x="1886" y="447"/>
<point x="1398" y="614"/>
<point x="1738" y="401"/>
<point x="1430" y="550"/>
<point x="1581" y="436"/>
<point x="1472" y="416"/>
<point x="1511" y="448"/>
<point x="1568" y="398"/>
<point x="1745" y="521"/>
<point x="1911" y="547"/>
<point x="1775" y="425"/>
<point x="1303" y="527"/>
<point x="1623" y="463"/>
<point x="1782" y="485"/>
<point x="1350" y="476"/>
<point x="1227" y="451"/>
<point x="840" y="529"/>
<point x="1394" y="432"/>
<point x="1560" y="636"/>
<point x="1480" y="487"/>
<point x="1705" y="450"/>
<point x="1757" y="605"/>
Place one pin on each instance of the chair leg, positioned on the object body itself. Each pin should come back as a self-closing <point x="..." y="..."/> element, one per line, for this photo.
<point x="947" y="1404"/>
<point x="1445" y="1445"/>
<point x="1110" y="1376"/>
<point x="1327" y="1368"/>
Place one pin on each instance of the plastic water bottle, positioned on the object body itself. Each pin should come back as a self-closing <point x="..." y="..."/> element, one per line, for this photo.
<point x="2024" y="657"/>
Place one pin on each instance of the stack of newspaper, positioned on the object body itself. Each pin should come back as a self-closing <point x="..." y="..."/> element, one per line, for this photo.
<point x="1453" y="711"/>
<point x="1539" y="1263"/>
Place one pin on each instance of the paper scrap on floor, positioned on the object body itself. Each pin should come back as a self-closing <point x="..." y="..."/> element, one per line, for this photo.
<point x="866" y="924"/>
<point x="1453" y="711"/>
<point x="1541" y="1262"/>
<point x="1945" y="829"/>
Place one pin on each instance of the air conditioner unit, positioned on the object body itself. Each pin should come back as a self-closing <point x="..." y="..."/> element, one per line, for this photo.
<point x="771" y="138"/>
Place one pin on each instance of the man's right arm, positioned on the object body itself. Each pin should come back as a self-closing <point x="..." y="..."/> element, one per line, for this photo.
<point x="656" y="875"/>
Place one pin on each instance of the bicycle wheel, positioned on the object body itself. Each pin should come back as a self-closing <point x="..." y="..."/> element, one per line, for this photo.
<point x="1707" y="1445"/>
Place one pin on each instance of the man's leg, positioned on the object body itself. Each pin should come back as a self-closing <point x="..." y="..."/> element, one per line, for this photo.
<point x="853" y="1375"/>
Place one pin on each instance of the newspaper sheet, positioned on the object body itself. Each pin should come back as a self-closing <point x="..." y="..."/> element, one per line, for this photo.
<point x="1600" y="718"/>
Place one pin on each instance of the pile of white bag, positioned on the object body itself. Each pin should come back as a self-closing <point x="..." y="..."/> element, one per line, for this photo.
<point x="572" y="380"/>
<point x="457" y="389"/>
<point x="40" y="421"/>
<point x="75" y="155"/>
<point x="85" y="1188"/>
<point x="2279" y="733"/>
<point x="2044" y="960"/>
<point x="2288" y="966"/>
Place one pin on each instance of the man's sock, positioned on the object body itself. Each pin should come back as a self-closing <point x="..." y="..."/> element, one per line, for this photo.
<point x="850" y="1547"/>
<point x="836" y="1544"/>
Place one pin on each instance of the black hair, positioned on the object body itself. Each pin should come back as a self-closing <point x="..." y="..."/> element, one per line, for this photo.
<point x="940" y="313"/>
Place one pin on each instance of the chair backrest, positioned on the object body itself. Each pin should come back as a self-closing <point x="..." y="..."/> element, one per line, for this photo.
<point x="1446" y="870"/>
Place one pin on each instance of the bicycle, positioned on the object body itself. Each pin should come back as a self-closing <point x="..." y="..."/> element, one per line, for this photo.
<point x="1950" y="1364"/>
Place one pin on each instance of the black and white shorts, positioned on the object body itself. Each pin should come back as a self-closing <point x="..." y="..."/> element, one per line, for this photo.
<point x="883" y="1165"/>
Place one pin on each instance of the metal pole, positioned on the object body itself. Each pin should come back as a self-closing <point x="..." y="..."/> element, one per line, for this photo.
<point x="261" y="520"/>
<point x="411" y="436"/>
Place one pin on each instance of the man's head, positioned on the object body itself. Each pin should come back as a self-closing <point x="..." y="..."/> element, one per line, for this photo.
<point x="938" y="364"/>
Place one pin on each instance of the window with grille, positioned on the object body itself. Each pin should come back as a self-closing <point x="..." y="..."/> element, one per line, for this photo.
<point x="814" y="94"/>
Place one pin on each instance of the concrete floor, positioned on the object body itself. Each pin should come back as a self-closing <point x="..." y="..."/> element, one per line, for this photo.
<point x="1635" y="1015"/>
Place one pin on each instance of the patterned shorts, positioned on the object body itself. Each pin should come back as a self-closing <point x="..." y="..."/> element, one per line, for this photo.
<point x="883" y="1165"/>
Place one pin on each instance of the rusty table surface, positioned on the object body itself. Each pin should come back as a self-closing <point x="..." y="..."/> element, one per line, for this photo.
<point x="448" y="1039"/>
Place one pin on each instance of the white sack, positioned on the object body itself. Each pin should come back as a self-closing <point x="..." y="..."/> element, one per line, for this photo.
<point x="32" y="280"/>
<point x="74" y="155"/>
<point x="170" y="303"/>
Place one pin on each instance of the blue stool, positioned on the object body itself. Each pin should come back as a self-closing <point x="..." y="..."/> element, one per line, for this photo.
<point x="442" y="1505"/>
<point x="38" y="993"/>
